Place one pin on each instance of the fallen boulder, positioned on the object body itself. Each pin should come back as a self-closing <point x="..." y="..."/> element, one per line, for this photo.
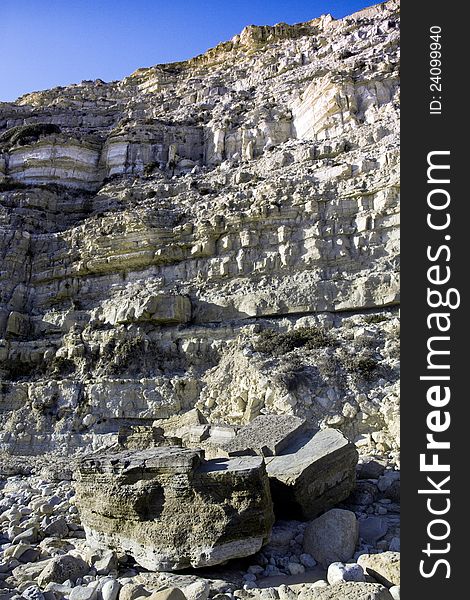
<point x="312" y="474"/>
<point x="170" y="509"/>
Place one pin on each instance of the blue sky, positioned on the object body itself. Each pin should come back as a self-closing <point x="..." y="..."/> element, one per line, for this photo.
<point x="44" y="43"/>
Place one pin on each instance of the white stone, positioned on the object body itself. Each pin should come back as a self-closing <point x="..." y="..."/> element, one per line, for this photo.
<point x="340" y="572"/>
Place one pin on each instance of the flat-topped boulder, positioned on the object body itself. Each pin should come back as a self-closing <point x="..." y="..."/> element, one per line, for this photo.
<point x="313" y="474"/>
<point x="267" y="435"/>
<point x="170" y="509"/>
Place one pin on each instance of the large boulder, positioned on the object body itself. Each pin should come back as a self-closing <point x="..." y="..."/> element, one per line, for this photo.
<point x="170" y="509"/>
<point x="315" y="472"/>
<point x="332" y="537"/>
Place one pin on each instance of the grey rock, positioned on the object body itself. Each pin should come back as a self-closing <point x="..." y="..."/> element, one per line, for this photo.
<point x="383" y="567"/>
<point x="32" y="593"/>
<point x="295" y="568"/>
<point x="394" y="545"/>
<point x="332" y="537"/>
<point x="371" y="529"/>
<point x="170" y="593"/>
<point x="308" y="561"/>
<point x="83" y="593"/>
<point x="62" y="568"/>
<point x="199" y="590"/>
<point x="132" y="591"/>
<point x="387" y="479"/>
<point x="59" y="589"/>
<point x="57" y="528"/>
<point x="30" y="571"/>
<point x="313" y="474"/>
<point x="29" y="536"/>
<point x="371" y="469"/>
<point x="364" y="493"/>
<point x="339" y="572"/>
<point x="30" y="555"/>
<point x="393" y="491"/>
<point x="106" y="564"/>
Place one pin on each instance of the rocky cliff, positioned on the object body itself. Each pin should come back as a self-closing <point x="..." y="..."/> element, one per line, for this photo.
<point x="220" y="233"/>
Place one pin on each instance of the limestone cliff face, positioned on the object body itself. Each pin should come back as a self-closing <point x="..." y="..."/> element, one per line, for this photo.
<point x="219" y="233"/>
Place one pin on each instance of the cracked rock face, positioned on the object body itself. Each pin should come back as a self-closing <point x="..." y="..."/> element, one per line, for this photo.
<point x="220" y="234"/>
<point x="170" y="509"/>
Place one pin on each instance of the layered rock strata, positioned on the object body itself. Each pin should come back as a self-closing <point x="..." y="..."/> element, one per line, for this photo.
<point x="220" y="233"/>
<point x="170" y="509"/>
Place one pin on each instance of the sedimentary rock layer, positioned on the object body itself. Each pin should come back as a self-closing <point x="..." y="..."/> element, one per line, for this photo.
<point x="170" y="509"/>
<point x="220" y="233"/>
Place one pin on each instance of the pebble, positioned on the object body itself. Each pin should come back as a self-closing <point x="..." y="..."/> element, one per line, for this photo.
<point x="395" y="592"/>
<point x="107" y="563"/>
<point x="386" y="480"/>
<point x="32" y="593"/>
<point x="271" y="571"/>
<point x="308" y="561"/>
<point x="57" y="528"/>
<point x="255" y="569"/>
<point x="29" y="536"/>
<point x="110" y="589"/>
<point x="394" y="545"/>
<point x="372" y="529"/>
<point x="30" y="555"/>
<point x="295" y="568"/>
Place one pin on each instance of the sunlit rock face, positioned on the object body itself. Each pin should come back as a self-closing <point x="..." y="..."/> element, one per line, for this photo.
<point x="220" y="233"/>
<point x="170" y="509"/>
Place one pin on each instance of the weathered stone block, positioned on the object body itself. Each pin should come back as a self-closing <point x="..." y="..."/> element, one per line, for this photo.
<point x="267" y="435"/>
<point x="170" y="509"/>
<point x="313" y="474"/>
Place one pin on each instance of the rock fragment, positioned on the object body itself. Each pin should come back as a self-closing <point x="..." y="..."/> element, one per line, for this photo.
<point x="62" y="568"/>
<point x="339" y="572"/>
<point x="313" y="474"/>
<point x="332" y="537"/>
<point x="383" y="567"/>
<point x="267" y="435"/>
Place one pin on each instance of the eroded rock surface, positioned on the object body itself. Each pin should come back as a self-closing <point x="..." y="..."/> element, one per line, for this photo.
<point x="313" y="474"/>
<point x="182" y="252"/>
<point x="170" y="509"/>
<point x="220" y="233"/>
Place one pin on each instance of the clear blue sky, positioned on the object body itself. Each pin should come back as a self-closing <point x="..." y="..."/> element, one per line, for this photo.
<point x="45" y="43"/>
